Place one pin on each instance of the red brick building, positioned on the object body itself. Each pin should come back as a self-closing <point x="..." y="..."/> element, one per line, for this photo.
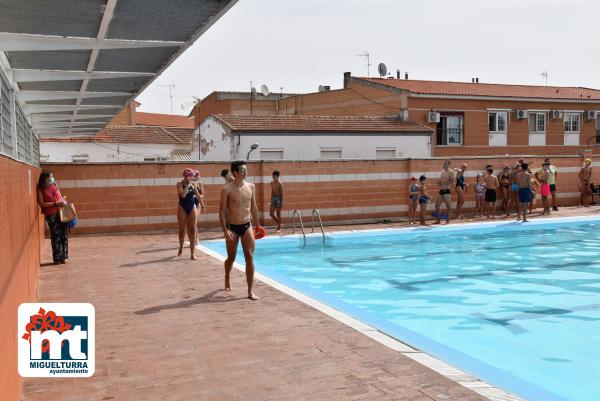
<point x="469" y="118"/>
<point x="472" y="118"/>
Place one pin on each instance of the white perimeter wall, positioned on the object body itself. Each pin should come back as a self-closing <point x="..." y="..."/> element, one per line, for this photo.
<point x="219" y="145"/>
<point x="64" y="152"/>
<point x="215" y="141"/>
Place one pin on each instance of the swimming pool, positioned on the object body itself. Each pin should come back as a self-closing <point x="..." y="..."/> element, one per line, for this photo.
<point x="517" y="305"/>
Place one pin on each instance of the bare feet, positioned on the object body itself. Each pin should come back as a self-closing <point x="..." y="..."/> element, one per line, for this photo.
<point x="193" y="257"/>
<point x="252" y="296"/>
<point x="180" y="251"/>
<point x="227" y="284"/>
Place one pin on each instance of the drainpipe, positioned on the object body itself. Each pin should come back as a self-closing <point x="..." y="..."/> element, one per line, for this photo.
<point x="261" y="185"/>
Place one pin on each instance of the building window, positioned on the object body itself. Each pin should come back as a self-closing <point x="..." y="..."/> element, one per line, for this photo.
<point x="537" y="123"/>
<point x="450" y="130"/>
<point x="385" y="153"/>
<point x="331" y="153"/>
<point x="497" y="121"/>
<point x="571" y="122"/>
<point x="271" y="154"/>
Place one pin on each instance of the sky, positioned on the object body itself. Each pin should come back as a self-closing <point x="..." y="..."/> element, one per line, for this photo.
<point x="295" y="46"/>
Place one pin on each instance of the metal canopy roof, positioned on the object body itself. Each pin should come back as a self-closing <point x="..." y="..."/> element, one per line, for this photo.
<point x="75" y="64"/>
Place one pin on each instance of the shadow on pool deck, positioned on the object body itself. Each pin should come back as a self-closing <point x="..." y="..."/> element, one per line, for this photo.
<point x="166" y="331"/>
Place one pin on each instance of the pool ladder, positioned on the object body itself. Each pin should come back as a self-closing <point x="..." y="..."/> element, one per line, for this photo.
<point x="315" y="212"/>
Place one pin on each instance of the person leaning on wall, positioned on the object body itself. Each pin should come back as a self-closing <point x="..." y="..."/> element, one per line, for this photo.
<point x="50" y="199"/>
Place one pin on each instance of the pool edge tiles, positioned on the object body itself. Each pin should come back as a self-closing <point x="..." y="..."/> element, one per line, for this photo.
<point x="447" y="370"/>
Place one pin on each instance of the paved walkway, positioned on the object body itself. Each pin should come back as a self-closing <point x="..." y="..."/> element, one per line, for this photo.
<point x="165" y="331"/>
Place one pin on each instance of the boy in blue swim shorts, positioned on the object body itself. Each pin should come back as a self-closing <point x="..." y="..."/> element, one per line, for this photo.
<point x="523" y="180"/>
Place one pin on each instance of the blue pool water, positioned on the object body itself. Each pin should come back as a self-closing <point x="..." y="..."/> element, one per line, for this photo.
<point x="517" y="305"/>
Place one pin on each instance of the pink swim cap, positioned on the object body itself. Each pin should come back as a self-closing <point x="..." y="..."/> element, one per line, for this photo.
<point x="188" y="172"/>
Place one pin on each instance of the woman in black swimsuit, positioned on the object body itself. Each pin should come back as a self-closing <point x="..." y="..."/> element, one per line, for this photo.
<point x="187" y="211"/>
<point x="504" y="180"/>
<point x="461" y="187"/>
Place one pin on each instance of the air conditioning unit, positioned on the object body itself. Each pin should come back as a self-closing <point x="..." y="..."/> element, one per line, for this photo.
<point x="591" y="114"/>
<point x="433" y="117"/>
<point x="520" y="114"/>
<point x="554" y="114"/>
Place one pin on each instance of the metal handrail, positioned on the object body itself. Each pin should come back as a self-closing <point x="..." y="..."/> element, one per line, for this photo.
<point x="316" y="212"/>
<point x="297" y="212"/>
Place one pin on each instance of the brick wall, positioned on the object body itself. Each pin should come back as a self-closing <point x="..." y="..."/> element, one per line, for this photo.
<point x="213" y="105"/>
<point x="210" y="105"/>
<point x="360" y="99"/>
<point x="21" y="228"/>
<point x="476" y="125"/>
<point x="125" y="117"/>
<point x="140" y="197"/>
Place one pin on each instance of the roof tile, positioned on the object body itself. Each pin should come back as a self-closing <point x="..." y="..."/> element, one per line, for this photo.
<point x="489" y="90"/>
<point x="135" y="134"/>
<point x="164" y="120"/>
<point x="322" y="124"/>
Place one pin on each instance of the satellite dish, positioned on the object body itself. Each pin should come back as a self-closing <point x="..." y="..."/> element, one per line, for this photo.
<point x="382" y="70"/>
<point x="264" y="90"/>
<point x="321" y="88"/>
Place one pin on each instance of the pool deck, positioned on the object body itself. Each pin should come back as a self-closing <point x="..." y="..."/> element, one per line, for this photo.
<point x="166" y="331"/>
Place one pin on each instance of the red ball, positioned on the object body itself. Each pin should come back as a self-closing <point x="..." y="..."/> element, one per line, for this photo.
<point x="259" y="232"/>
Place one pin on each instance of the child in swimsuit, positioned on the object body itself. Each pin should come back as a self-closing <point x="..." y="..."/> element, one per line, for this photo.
<point x="542" y="177"/>
<point x="480" y="188"/>
<point x="276" y="199"/>
<point x="413" y="196"/>
<point x="504" y="180"/>
<point x="424" y="199"/>
<point x="535" y="189"/>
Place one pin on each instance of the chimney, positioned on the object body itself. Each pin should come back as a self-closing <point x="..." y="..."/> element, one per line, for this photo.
<point x="476" y="80"/>
<point x="472" y="80"/>
<point x="406" y="75"/>
<point x="347" y="76"/>
<point x="397" y="74"/>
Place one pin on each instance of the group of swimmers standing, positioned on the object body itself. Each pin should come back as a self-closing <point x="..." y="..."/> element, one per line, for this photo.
<point x="238" y="215"/>
<point x="516" y="186"/>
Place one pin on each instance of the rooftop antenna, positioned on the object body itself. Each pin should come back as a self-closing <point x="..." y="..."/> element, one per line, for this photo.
<point x="171" y="86"/>
<point x="367" y="56"/>
<point x="252" y="94"/>
<point x="544" y="74"/>
<point x="264" y="89"/>
<point x="382" y="69"/>
<point x="190" y="103"/>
